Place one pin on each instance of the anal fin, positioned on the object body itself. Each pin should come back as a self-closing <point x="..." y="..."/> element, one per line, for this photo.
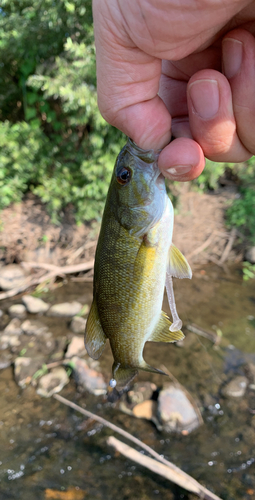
<point x="162" y="332"/>
<point x="95" y="337"/>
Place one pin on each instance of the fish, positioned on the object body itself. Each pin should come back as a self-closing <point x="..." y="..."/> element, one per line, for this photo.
<point x="135" y="260"/>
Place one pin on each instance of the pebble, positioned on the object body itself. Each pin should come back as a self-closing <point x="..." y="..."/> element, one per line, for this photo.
<point x="35" y="305"/>
<point x="14" y="327"/>
<point x="5" y="360"/>
<point x="9" y="341"/>
<point x="236" y="388"/>
<point x="33" y="327"/>
<point x="146" y="409"/>
<point x="65" y="310"/>
<point x="12" y="276"/>
<point x="25" y="368"/>
<point x="78" y="324"/>
<point x="140" y="392"/>
<point x="87" y="378"/>
<point x="250" y="372"/>
<point x="76" y="347"/>
<point x="175" y="411"/>
<point x="52" y="382"/>
<point x="250" y="255"/>
<point x="17" y="311"/>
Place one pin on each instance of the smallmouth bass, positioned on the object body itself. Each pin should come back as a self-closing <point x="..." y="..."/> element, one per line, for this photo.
<point x="135" y="260"/>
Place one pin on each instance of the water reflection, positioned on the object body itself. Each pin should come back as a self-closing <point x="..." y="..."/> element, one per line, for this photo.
<point x="46" y="446"/>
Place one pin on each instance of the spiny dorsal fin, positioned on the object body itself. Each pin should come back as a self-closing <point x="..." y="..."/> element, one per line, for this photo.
<point x="95" y="337"/>
<point x="162" y="333"/>
<point x="178" y="266"/>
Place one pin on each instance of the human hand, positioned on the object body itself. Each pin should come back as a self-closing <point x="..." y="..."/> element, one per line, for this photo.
<point x="189" y="71"/>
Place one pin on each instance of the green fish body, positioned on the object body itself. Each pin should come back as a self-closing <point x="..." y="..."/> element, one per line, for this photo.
<point x="134" y="260"/>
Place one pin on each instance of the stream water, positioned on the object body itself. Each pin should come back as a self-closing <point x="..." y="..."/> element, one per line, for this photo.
<point x="45" y="446"/>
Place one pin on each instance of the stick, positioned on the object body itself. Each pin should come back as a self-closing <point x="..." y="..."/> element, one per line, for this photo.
<point x="21" y="288"/>
<point x="84" y="266"/>
<point x="212" y="336"/>
<point x="202" y="247"/>
<point x="78" y="252"/>
<point x="228" y="246"/>
<point x="201" y="491"/>
<point x="186" y="481"/>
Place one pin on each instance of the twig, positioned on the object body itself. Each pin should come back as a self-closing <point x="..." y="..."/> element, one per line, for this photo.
<point x="82" y="279"/>
<point x="212" y="336"/>
<point x="202" y="247"/>
<point x="197" y="488"/>
<point x="178" y="477"/>
<point x="228" y="246"/>
<point x="84" y="266"/>
<point x="79" y="251"/>
<point x="27" y="284"/>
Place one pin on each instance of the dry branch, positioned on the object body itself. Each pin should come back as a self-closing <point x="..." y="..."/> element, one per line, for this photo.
<point x="181" y="476"/>
<point x="178" y="477"/>
<point x="77" y="268"/>
<point x="27" y="284"/>
<point x="228" y="246"/>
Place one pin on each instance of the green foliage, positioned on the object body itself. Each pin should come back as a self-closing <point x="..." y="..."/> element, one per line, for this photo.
<point x="209" y="179"/>
<point x="248" y="271"/>
<point x="53" y="139"/>
<point x="241" y="212"/>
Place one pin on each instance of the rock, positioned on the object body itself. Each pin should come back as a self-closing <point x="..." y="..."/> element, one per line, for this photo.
<point x="25" y="368"/>
<point x="33" y="327"/>
<point x="35" y="305"/>
<point x="78" y="324"/>
<point x="9" y="341"/>
<point x="65" y="310"/>
<point x="5" y="360"/>
<point x="1" y="313"/>
<point x="250" y="372"/>
<point x="146" y="409"/>
<point x="175" y="411"/>
<point x="250" y="255"/>
<point x="52" y="382"/>
<point x="17" y="311"/>
<point x="236" y="387"/>
<point x="141" y="391"/>
<point x="14" y="327"/>
<point x="76" y="347"/>
<point x="12" y="276"/>
<point x="87" y="378"/>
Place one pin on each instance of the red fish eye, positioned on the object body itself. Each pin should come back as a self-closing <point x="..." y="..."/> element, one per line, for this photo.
<point x="124" y="176"/>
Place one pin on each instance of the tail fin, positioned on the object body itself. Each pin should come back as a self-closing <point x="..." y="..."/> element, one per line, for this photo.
<point x="123" y="376"/>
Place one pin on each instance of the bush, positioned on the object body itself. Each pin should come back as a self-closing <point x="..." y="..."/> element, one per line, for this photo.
<point x="53" y="138"/>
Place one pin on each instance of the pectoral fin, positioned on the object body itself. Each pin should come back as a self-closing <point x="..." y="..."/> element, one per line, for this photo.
<point x="95" y="337"/>
<point x="177" y="264"/>
<point x="162" y="331"/>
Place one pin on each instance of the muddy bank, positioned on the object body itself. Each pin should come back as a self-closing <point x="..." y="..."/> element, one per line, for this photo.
<point x="200" y="232"/>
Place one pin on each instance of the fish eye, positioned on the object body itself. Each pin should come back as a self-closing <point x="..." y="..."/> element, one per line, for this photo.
<point x="124" y="176"/>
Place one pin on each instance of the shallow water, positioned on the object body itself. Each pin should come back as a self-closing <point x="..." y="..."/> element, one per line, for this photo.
<point x="47" y="446"/>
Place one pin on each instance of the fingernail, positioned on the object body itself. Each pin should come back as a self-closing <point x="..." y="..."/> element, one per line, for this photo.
<point x="179" y="169"/>
<point x="205" y="98"/>
<point x="232" y="52"/>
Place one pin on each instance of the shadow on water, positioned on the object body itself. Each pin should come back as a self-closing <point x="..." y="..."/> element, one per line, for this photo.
<point x="46" y="446"/>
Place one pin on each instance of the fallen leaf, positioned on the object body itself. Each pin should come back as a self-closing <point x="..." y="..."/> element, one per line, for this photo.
<point x="70" y="494"/>
<point x="145" y="410"/>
